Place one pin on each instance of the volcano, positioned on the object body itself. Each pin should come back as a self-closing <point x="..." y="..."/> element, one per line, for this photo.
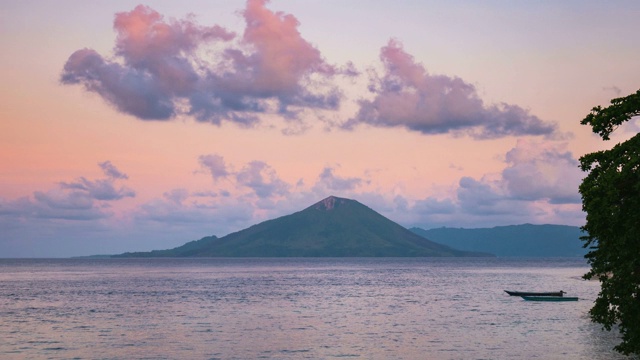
<point x="333" y="227"/>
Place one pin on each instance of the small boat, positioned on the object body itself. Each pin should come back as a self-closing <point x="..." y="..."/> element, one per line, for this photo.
<point x="550" y="298"/>
<point x="529" y="293"/>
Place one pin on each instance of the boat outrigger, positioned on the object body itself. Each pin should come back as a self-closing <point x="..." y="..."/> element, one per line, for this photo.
<point x="550" y="298"/>
<point x="530" y="293"/>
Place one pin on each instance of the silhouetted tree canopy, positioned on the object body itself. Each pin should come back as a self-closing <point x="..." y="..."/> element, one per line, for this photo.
<point x="611" y="199"/>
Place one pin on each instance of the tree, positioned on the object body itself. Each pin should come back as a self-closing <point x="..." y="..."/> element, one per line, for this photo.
<point x="611" y="199"/>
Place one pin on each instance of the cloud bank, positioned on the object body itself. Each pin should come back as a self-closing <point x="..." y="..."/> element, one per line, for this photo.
<point x="538" y="184"/>
<point x="82" y="199"/>
<point x="539" y="181"/>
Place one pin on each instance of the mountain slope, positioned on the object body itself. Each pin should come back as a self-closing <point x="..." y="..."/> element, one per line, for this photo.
<point x="333" y="227"/>
<point x="516" y="240"/>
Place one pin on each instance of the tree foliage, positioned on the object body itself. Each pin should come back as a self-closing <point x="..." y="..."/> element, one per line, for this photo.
<point x="611" y="199"/>
<point x="604" y="121"/>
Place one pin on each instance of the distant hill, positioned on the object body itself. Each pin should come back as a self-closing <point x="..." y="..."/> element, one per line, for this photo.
<point x="516" y="240"/>
<point x="333" y="227"/>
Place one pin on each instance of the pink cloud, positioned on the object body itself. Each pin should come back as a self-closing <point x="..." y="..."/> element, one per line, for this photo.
<point x="82" y="199"/>
<point x="101" y="189"/>
<point x="144" y="35"/>
<point x="176" y="195"/>
<point x="408" y="96"/>
<point x="214" y="164"/>
<point x="130" y="90"/>
<point x="331" y="182"/>
<point x="273" y="62"/>
<point x="539" y="184"/>
<point x="536" y="174"/>
<point x="282" y="56"/>
<point x="158" y="73"/>
<point x="258" y="176"/>
<point x="146" y="41"/>
<point x="539" y="178"/>
<point x="262" y="179"/>
<point x="111" y="171"/>
<point x="542" y="171"/>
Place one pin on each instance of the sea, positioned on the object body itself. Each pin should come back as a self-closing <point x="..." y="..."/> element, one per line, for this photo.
<point x="297" y="308"/>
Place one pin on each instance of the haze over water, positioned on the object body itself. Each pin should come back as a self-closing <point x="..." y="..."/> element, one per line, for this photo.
<point x="365" y="308"/>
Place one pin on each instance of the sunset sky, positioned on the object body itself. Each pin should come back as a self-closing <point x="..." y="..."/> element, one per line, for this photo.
<point x="128" y="126"/>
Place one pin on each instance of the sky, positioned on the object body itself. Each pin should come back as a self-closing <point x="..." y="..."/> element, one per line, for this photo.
<point x="129" y="126"/>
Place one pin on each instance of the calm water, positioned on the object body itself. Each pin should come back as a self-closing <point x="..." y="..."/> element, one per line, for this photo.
<point x="295" y="309"/>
